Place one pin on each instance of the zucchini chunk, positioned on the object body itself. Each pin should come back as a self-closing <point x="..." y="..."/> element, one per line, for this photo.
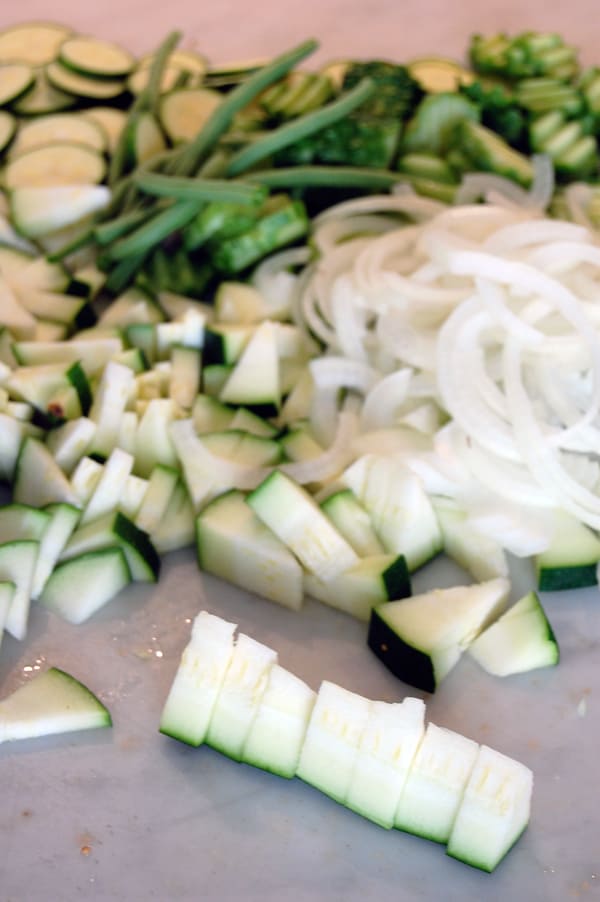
<point x="52" y="702"/>
<point x="520" y="640"/>
<point x="420" y="639"/>
<point x="494" y="810"/>
<point x="189" y="706"/>
<point x="79" y="587"/>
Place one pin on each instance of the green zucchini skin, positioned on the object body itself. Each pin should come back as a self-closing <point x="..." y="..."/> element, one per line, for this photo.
<point x="406" y="662"/>
<point x="557" y="579"/>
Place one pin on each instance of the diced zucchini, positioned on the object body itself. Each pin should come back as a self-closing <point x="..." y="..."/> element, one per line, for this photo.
<point x="387" y="748"/>
<point x="115" y="529"/>
<point x="21" y="521"/>
<point x="51" y="702"/>
<point x="240" y="696"/>
<point x="292" y="514"/>
<point x="520" y="640"/>
<point x="17" y="565"/>
<point x="571" y="560"/>
<point x="420" y="639"/>
<point x="254" y="380"/>
<point x="370" y="582"/>
<point x="435" y="784"/>
<point x="478" y="554"/>
<point x="233" y="543"/>
<point x="333" y="738"/>
<point x="400" y="511"/>
<point x="62" y="520"/>
<point x="276" y="736"/>
<point x="494" y="810"/>
<point x="189" y="706"/>
<point x="79" y="587"/>
<point x="38" y="480"/>
<point x="351" y="519"/>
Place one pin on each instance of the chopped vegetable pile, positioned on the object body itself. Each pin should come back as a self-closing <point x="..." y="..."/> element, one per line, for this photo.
<point x="324" y="326"/>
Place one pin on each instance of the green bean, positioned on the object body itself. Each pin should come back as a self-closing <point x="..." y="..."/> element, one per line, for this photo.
<point x="146" y="99"/>
<point x="180" y="188"/>
<point x="123" y="273"/>
<point x="153" y="231"/>
<point x="109" y="231"/>
<point x="326" y="177"/>
<point x="300" y="128"/>
<point x="201" y="146"/>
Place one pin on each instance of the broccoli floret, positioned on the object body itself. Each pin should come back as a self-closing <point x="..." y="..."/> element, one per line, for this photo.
<point x="499" y="110"/>
<point x="369" y="136"/>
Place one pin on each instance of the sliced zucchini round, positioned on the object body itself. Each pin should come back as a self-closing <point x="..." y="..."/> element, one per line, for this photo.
<point x="59" y="127"/>
<point x="109" y="120"/>
<point x="173" y="77"/>
<point x="8" y="126"/>
<point x="35" y="43"/>
<point x="15" y="80"/>
<point x="183" y="113"/>
<point x="96" y="58"/>
<point x="437" y="75"/>
<point x="78" y="85"/>
<point x="40" y="211"/>
<point x="42" y="98"/>
<point x="63" y="163"/>
<point x="187" y="60"/>
<point x="146" y="138"/>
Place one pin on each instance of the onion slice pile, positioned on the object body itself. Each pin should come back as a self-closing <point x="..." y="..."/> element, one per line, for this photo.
<point x="487" y="313"/>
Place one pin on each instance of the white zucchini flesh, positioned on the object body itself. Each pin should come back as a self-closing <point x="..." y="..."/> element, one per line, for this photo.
<point x="15" y="79"/>
<point x="276" y="736"/>
<point x="112" y="395"/>
<point x="70" y="442"/>
<point x="387" y="748"/>
<point x="177" y="528"/>
<point x="183" y="113"/>
<point x="63" y="519"/>
<point x="401" y="512"/>
<point x="79" y="587"/>
<point x="234" y="544"/>
<point x="92" y="354"/>
<point x="51" y="702"/>
<point x="20" y="521"/>
<point x="153" y="444"/>
<point x="293" y="515"/>
<point x="372" y="581"/>
<point x="15" y="316"/>
<point x="352" y="520"/>
<point x="35" y="43"/>
<point x="7" y="593"/>
<point x="240" y="695"/>
<point x="478" y="554"/>
<point x="38" y="478"/>
<point x="115" y="529"/>
<point x="17" y="565"/>
<point x="435" y="784"/>
<point x="109" y="489"/>
<point x="333" y="738"/>
<point x="85" y="478"/>
<point x="520" y="640"/>
<point x="494" y="810"/>
<point x="189" y="706"/>
<point x="255" y="378"/>
<point x="160" y="487"/>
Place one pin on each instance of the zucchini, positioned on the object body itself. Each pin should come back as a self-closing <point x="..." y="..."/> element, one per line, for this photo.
<point x="190" y="703"/>
<point x="62" y="520"/>
<point x="59" y="164"/>
<point x="110" y="121"/>
<point x="276" y="736"/>
<point x="51" y="702"/>
<point x="43" y="98"/>
<point x="57" y="128"/>
<point x="331" y="746"/>
<point x="571" y="560"/>
<point x="240" y="695"/>
<point x="38" y="480"/>
<point x="351" y="519"/>
<point x="35" y="43"/>
<point x="233" y="543"/>
<point x="83" y="86"/>
<point x="116" y="530"/>
<point x="293" y="515"/>
<point x="254" y="381"/>
<point x="21" y="521"/>
<point x="372" y="581"/>
<point x="17" y="565"/>
<point x="494" y="810"/>
<point x="437" y="74"/>
<point x="432" y="128"/>
<point x="389" y="741"/>
<point x="15" y="80"/>
<point x="90" y="56"/>
<point x="37" y="211"/>
<point x="79" y="587"/>
<point x="420" y="639"/>
<point x="490" y="153"/>
<point x="435" y="784"/>
<point x="520" y="640"/>
<point x="184" y="112"/>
